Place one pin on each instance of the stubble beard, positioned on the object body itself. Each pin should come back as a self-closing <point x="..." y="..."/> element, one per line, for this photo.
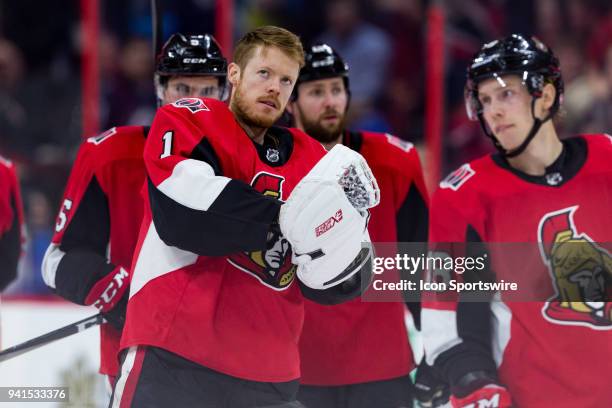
<point x="319" y="132"/>
<point x="244" y="113"/>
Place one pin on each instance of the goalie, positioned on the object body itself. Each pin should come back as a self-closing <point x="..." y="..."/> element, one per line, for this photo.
<point x="215" y="311"/>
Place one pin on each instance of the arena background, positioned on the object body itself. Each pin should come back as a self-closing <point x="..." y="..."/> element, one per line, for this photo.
<point x="72" y="68"/>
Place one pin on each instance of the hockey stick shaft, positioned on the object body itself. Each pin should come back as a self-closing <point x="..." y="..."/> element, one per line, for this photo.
<point x="157" y="26"/>
<point x="50" y="337"/>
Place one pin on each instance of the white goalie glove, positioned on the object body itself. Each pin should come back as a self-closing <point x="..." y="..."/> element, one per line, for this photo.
<point x="325" y="218"/>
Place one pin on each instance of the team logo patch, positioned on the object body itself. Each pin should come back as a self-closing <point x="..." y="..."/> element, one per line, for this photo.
<point x="397" y="142"/>
<point x="272" y="266"/>
<point x="580" y="270"/>
<point x="102" y="136"/>
<point x="193" y="104"/>
<point x="458" y="177"/>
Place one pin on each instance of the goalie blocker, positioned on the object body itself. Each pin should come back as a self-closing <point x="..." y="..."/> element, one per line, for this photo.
<point x="326" y="218"/>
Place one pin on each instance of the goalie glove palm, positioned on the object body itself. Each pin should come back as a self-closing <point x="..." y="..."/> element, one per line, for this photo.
<point x="325" y="218"/>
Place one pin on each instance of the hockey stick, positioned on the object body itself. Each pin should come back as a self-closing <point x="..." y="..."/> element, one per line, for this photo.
<point x="157" y="26"/>
<point x="50" y="337"/>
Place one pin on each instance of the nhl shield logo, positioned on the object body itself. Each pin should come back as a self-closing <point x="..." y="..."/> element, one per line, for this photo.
<point x="272" y="155"/>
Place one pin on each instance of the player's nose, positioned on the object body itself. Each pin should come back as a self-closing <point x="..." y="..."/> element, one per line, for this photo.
<point x="273" y="87"/>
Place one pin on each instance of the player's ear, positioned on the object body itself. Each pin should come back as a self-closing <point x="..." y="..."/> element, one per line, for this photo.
<point x="548" y="96"/>
<point x="289" y="108"/>
<point x="233" y="73"/>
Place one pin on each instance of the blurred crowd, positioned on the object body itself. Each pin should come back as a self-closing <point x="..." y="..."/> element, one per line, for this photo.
<point x="383" y="42"/>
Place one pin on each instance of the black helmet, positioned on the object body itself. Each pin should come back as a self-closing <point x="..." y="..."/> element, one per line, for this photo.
<point x="192" y="54"/>
<point x="322" y="61"/>
<point x="526" y="57"/>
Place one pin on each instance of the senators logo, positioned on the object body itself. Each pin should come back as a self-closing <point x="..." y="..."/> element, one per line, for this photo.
<point x="271" y="266"/>
<point x="581" y="271"/>
<point x="458" y="177"/>
<point x="193" y="104"/>
<point x="102" y="136"/>
<point x="397" y="142"/>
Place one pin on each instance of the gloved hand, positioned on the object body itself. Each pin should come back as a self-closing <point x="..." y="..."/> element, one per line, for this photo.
<point x="431" y="389"/>
<point x="110" y="296"/>
<point x="480" y="389"/>
<point x="326" y="216"/>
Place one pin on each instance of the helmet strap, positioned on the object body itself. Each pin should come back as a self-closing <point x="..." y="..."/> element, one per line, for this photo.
<point x="537" y="123"/>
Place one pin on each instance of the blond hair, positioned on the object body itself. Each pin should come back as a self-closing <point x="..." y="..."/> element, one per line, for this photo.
<point x="268" y="36"/>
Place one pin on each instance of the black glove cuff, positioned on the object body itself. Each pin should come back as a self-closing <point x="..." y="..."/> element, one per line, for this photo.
<point x="472" y="381"/>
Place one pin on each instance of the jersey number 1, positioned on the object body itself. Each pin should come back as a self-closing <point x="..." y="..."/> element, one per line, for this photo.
<point x="167" y="137"/>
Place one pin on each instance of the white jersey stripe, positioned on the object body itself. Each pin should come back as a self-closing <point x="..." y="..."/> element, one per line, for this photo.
<point x="193" y="184"/>
<point x="156" y="259"/>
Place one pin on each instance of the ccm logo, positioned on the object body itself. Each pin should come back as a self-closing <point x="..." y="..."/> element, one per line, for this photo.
<point x="194" y="60"/>
<point x="493" y="402"/>
<point x="107" y="297"/>
<point x="329" y="223"/>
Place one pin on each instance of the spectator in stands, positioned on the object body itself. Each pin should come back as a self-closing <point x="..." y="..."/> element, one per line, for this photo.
<point x="366" y="49"/>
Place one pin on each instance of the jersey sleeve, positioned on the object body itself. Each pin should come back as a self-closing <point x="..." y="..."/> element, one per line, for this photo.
<point x="456" y="333"/>
<point x="77" y="257"/>
<point x="197" y="203"/>
<point x="11" y="227"/>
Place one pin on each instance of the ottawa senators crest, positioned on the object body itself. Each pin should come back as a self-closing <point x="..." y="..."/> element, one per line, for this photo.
<point x="271" y="266"/>
<point x="193" y="104"/>
<point x="581" y="271"/>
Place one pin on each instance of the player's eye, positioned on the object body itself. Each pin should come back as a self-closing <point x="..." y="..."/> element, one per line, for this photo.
<point x="485" y="100"/>
<point x="316" y="92"/>
<point x="507" y="94"/>
<point x="263" y="73"/>
<point x="208" y="91"/>
<point x="286" y="81"/>
<point x="182" y="89"/>
<point x="336" y="90"/>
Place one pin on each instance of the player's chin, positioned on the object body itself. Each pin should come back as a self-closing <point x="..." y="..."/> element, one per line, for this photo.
<point x="333" y="128"/>
<point x="265" y="120"/>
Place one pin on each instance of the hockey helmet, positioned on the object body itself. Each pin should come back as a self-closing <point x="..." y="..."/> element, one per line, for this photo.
<point x="517" y="54"/>
<point x="321" y="62"/>
<point x="191" y="54"/>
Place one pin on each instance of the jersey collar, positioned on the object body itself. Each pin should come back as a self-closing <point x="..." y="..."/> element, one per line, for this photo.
<point x="564" y="168"/>
<point x="277" y="146"/>
<point x="353" y="140"/>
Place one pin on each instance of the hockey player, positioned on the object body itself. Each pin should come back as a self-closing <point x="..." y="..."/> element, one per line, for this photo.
<point x="89" y="258"/>
<point x="555" y="194"/>
<point x="11" y="223"/>
<point x="337" y="371"/>
<point x="215" y="309"/>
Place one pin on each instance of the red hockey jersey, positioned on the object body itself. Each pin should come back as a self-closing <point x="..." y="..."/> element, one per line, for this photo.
<point x="210" y="282"/>
<point x="360" y="341"/>
<point x="11" y="223"/>
<point x="549" y="353"/>
<point x="100" y="216"/>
